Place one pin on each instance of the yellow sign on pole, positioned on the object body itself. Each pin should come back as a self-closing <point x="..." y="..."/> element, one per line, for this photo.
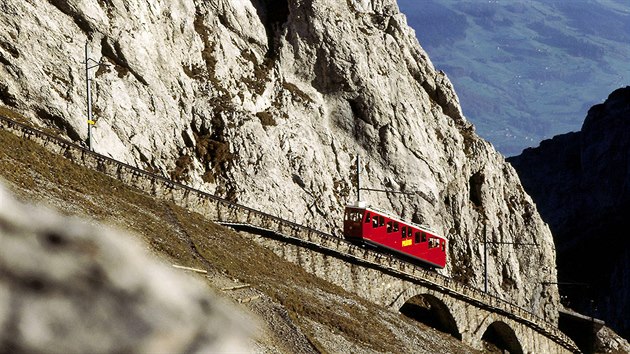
<point x="91" y="122"/>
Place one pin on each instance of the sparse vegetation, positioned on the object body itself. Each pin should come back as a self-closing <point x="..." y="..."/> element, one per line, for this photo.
<point x="211" y="151"/>
<point x="193" y="71"/>
<point x="296" y="92"/>
<point x="208" y="177"/>
<point x="10" y="113"/>
<point x="266" y="119"/>
<point x="261" y="76"/>
<point x="183" y="166"/>
<point x="207" y="52"/>
<point x="248" y="55"/>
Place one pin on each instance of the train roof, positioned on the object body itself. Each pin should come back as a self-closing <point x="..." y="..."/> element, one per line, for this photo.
<point x="394" y="217"/>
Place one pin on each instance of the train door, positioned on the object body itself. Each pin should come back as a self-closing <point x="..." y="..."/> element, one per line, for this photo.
<point x="353" y="223"/>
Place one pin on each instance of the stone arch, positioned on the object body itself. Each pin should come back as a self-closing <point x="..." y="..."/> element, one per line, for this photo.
<point x="431" y="311"/>
<point x="501" y="336"/>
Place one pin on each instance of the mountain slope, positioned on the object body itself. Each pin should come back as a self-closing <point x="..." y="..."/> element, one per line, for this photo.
<point x="270" y="103"/>
<point x="580" y="182"/>
<point x="526" y="71"/>
<point x="296" y="311"/>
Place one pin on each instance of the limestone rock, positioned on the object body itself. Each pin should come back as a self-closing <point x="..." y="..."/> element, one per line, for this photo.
<point x="269" y="103"/>
<point x="70" y="287"/>
<point x="610" y="342"/>
<point x="580" y="183"/>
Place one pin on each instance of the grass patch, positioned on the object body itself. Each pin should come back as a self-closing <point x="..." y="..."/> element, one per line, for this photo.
<point x="297" y="93"/>
<point x="183" y="167"/>
<point x="10" y="113"/>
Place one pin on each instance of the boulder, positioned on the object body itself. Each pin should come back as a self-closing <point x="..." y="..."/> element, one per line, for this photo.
<point x="69" y="286"/>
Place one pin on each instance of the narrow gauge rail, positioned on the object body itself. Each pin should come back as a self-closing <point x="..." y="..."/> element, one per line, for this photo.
<point x="229" y="212"/>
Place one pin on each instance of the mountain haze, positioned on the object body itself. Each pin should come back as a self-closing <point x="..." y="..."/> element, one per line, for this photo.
<point x="526" y="70"/>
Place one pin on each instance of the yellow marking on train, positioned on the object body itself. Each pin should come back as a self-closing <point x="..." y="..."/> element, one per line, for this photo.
<point x="406" y="243"/>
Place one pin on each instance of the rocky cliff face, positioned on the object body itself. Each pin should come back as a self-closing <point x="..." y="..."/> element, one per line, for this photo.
<point x="269" y="103"/>
<point x="581" y="184"/>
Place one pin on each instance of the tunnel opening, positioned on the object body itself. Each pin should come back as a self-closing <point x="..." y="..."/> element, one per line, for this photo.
<point x="273" y="14"/>
<point x="500" y="338"/>
<point x="432" y="312"/>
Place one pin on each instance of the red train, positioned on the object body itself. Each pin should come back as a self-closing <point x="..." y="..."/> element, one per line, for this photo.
<point x="383" y="230"/>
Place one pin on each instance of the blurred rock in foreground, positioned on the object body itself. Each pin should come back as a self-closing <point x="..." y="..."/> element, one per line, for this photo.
<point x="67" y="286"/>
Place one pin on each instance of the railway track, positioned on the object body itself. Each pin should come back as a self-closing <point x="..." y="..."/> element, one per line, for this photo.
<point x="242" y="217"/>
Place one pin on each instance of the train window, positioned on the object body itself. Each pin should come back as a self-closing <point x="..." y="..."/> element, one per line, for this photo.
<point x="381" y="221"/>
<point x="409" y="232"/>
<point x="404" y="232"/>
<point x="443" y="246"/>
<point x="375" y="221"/>
<point x="396" y="226"/>
<point x="389" y="226"/>
<point x="355" y="216"/>
<point x="417" y="237"/>
<point x="424" y="237"/>
<point x="367" y="218"/>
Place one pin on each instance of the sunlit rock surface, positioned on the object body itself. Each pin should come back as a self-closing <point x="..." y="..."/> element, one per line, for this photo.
<point x="269" y="103"/>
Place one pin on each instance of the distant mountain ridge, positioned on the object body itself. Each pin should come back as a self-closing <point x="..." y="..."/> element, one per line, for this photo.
<point x="525" y="70"/>
<point x="581" y="185"/>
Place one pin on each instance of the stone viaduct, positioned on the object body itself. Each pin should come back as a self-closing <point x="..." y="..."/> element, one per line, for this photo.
<point x="465" y="312"/>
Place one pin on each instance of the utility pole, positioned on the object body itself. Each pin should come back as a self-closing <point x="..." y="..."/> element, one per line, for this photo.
<point x="485" y="257"/>
<point x="358" y="179"/>
<point x="88" y="90"/>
